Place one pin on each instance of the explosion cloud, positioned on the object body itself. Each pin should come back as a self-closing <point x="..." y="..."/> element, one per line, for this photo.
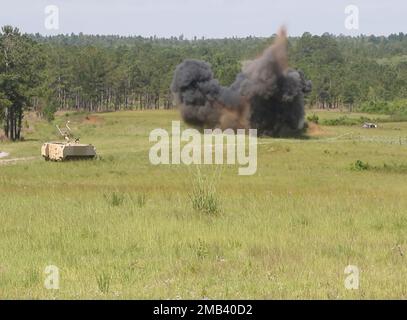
<point x="267" y="95"/>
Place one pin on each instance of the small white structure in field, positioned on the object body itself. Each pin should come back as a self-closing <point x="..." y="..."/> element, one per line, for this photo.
<point x="369" y="125"/>
<point x="3" y="154"/>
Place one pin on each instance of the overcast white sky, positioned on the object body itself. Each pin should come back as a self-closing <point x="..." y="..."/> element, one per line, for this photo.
<point x="210" y="18"/>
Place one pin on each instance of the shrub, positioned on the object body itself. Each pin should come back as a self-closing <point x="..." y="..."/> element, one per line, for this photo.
<point x="346" y="121"/>
<point x="385" y="168"/>
<point x="341" y="121"/>
<point x="314" y="118"/>
<point x="360" y="166"/>
<point x="51" y="106"/>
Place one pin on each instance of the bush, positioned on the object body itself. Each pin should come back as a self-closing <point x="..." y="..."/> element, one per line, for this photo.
<point x="346" y="121"/>
<point x="360" y="165"/>
<point x="314" y="118"/>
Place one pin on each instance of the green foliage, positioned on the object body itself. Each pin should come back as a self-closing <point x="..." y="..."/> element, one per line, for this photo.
<point x="359" y="165"/>
<point x="313" y="118"/>
<point x="32" y="278"/>
<point x="21" y="64"/>
<point x="201" y="249"/>
<point x="394" y="107"/>
<point x="49" y="110"/>
<point x="396" y="168"/>
<point x="345" y="121"/>
<point x="398" y="117"/>
<point x="103" y="280"/>
<point x="114" y="199"/>
<point x="141" y="200"/>
<point x="392" y="168"/>
<point x="4" y="104"/>
<point x="204" y="194"/>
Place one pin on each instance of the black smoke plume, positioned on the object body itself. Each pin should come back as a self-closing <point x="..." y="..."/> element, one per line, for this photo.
<point x="267" y="95"/>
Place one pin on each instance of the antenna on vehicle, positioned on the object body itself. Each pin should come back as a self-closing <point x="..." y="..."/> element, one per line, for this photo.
<point x="67" y="134"/>
<point x="66" y="125"/>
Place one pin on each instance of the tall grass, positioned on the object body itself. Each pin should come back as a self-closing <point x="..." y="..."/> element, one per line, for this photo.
<point x="114" y="199"/>
<point x="204" y="196"/>
<point x="103" y="280"/>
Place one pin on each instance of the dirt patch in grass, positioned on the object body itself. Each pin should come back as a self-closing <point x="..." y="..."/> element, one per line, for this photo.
<point x="15" y="160"/>
<point x="92" y="119"/>
<point x="315" y="130"/>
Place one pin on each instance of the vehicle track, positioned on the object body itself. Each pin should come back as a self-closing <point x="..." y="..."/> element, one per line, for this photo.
<point x="14" y="160"/>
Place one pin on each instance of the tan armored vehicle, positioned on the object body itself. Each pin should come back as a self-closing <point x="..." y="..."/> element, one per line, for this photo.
<point x="71" y="149"/>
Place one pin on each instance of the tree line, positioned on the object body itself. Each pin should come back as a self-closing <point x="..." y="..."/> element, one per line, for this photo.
<point x="108" y="73"/>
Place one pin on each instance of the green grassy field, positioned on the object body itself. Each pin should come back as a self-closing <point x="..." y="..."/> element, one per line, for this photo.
<point x="119" y="227"/>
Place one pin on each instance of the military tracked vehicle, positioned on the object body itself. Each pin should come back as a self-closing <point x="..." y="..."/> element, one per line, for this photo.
<point x="69" y="149"/>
